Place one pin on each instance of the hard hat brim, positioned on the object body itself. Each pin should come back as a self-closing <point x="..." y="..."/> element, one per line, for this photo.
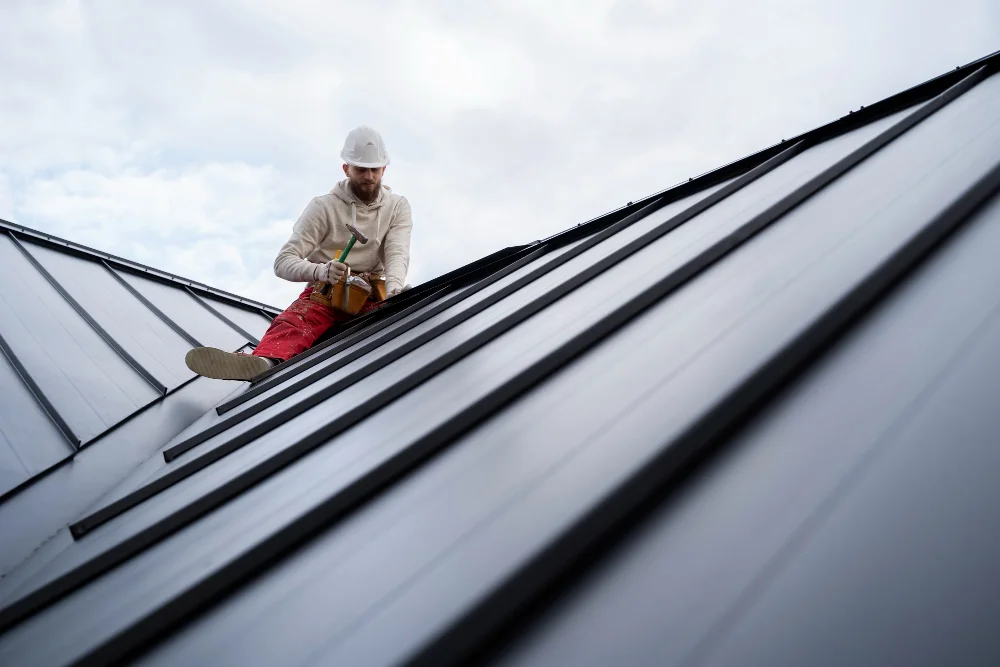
<point x="366" y="165"/>
<point x="345" y="156"/>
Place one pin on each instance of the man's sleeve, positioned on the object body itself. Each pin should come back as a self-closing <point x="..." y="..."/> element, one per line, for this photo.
<point x="307" y="234"/>
<point x="396" y="246"/>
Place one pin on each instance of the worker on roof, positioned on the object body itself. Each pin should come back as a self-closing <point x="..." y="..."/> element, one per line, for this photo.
<point x="377" y="260"/>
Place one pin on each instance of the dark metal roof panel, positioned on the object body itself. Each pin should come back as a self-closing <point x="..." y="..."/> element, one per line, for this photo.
<point x="188" y="313"/>
<point x="84" y="352"/>
<point x="90" y="386"/>
<point x="252" y="322"/>
<point x="36" y="513"/>
<point x="29" y="441"/>
<point x="901" y="563"/>
<point x="849" y="471"/>
<point x="137" y="329"/>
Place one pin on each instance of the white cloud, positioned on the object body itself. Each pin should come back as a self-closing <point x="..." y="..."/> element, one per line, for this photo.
<point x="189" y="135"/>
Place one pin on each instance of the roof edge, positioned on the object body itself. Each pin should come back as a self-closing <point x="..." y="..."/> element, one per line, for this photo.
<point x="86" y="252"/>
<point x="851" y="121"/>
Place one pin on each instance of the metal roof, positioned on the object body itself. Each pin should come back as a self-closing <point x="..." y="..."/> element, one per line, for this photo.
<point x="90" y="343"/>
<point x="748" y="420"/>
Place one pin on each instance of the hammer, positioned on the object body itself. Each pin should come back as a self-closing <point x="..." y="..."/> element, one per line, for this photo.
<point x="356" y="235"/>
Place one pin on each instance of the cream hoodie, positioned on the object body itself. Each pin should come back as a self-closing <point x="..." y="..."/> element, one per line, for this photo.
<point x="321" y="231"/>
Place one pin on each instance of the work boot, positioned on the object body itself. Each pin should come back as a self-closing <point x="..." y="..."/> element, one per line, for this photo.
<point x="221" y="365"/>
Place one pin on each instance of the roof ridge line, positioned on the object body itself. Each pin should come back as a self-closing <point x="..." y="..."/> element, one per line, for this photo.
<point x="128" y="264"/>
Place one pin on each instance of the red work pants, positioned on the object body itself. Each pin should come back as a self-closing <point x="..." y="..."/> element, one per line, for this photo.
<point x="300" y="325"/>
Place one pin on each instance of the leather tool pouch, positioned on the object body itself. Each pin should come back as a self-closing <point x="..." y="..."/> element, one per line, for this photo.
<point x="350" y="293"/>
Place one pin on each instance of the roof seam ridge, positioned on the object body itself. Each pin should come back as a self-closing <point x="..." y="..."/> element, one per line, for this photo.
<point x="102" y="333"/>
<point x="36" y="392"/>
<point x="180" y="331"/>
<point x="131" y="265"/>
<point x="232" y="325"/>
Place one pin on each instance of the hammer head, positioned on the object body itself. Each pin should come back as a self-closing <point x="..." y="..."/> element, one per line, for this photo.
<point x="357" y="234"/>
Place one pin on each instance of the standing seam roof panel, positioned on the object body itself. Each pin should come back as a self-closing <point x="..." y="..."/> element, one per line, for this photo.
<point x="926" y="498"/>
<point x="29" y="441"/>
<point x="252" y="322"/>
<point x="191" y="316"/>
<point x="90" y="386"/>
<point x="703" y="554"/>
<point x="147" y="338"/>
<point x="34" y="516"/>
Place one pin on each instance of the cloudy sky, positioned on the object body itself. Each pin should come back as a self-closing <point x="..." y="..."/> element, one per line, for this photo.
<point x="189" y="134"/>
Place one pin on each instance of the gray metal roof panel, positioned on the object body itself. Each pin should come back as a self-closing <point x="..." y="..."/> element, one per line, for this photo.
<point x="188" y="313"/>
<point x="90" y="386"/>
<point x="29" y="441"/>
<point x="253" y="323"/>
<point x="33" y="515"/>
<point x="892" y="567"/>
<point x="92" y="354"/>
<point x="706" y="553"/>
<point x="144" y="335"/>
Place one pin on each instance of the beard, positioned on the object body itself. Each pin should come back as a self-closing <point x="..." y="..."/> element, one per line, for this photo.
<point x="366" y="191"/>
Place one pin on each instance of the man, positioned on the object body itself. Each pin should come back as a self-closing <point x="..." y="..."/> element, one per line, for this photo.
<point x="308" y="256"/>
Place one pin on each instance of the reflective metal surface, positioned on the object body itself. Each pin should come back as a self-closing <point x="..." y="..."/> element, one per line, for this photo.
<point x="84" y="360"/>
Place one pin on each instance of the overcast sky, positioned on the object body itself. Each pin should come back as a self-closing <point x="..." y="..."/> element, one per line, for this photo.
<point x="189" y="135"/>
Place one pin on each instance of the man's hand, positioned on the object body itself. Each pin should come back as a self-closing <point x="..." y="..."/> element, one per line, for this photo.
<point x="330" y="272"/>
<point x="392" y="289"/>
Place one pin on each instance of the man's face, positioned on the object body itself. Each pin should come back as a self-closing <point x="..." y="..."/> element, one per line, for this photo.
<point x="365" y="181"/>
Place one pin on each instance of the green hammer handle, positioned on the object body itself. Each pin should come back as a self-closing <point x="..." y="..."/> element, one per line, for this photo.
<point x="350" y="244"/>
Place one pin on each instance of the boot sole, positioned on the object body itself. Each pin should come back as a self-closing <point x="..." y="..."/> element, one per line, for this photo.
<point x="221" y="365"/>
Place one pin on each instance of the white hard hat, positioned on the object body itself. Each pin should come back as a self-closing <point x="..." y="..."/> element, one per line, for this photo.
<point x="364" y="148"/>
